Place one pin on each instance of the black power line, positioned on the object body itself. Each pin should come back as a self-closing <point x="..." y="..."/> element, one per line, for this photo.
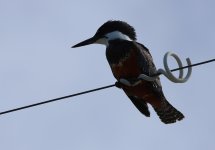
<point x="56" y="99"/>
<point x="89" y="91"/>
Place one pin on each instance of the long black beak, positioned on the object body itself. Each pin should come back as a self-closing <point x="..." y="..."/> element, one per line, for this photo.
<point x="86" y="42"/>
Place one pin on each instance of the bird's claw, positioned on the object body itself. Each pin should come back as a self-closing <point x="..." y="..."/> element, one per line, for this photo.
<point x="118" y="84"/>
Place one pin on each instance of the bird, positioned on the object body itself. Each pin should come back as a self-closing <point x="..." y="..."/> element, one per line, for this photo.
<point x="128" y="59"/>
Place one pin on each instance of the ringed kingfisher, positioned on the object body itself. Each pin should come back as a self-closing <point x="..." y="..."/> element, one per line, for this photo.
<point x="128" y="59"/>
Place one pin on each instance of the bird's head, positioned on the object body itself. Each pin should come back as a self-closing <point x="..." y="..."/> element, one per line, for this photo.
<point x="111" y="30"/>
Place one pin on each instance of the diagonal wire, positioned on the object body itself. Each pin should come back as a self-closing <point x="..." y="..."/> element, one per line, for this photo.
<point x="56" y="99"/>
<point x="90" y="91"/>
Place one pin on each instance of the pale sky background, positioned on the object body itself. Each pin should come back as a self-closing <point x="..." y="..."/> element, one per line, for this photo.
<point x="37" y="63"/>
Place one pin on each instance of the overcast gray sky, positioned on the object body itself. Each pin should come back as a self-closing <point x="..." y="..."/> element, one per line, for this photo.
<point x="37" y="63"/>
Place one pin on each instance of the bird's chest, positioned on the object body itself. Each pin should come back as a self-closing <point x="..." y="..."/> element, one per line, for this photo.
<point x="123" y="63"/>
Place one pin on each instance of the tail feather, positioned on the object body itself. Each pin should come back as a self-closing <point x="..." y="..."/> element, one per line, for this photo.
<point x="167" y="113"/>
<point x="141" y="105"/>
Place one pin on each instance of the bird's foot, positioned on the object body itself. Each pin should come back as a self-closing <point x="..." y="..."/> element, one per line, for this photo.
<point x="118" y="84"/>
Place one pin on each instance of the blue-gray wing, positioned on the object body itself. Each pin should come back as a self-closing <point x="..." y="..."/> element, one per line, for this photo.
<point x="147" y="65"/>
